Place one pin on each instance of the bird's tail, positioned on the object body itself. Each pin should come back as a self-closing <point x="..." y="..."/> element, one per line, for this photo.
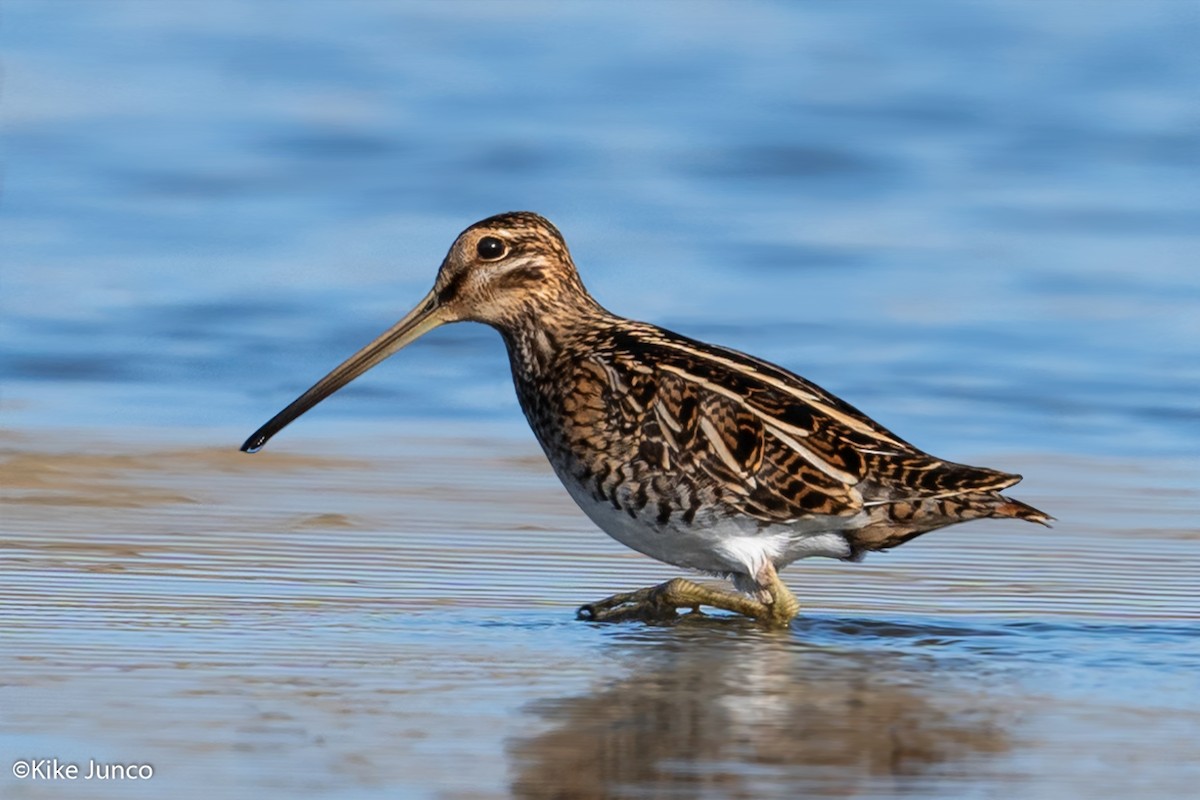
<point x="1008" y="507"/>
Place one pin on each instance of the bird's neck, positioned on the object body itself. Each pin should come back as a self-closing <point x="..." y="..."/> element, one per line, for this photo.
<point x="541" y="340"/>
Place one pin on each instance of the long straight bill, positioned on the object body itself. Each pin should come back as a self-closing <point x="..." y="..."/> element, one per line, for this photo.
<point x="422" y="319"/>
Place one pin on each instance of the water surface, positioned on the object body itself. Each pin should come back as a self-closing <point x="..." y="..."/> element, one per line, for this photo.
<point x="978" y="222"/>
<point x="369" y="620"/>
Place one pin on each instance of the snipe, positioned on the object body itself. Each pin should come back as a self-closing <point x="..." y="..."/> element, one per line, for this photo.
<point x="696" y="455"/>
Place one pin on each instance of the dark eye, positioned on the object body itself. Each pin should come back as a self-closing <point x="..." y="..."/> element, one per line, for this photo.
<point x="490" y="248"/>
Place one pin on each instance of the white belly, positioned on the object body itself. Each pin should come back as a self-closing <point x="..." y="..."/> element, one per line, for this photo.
<point x="726" y="546"/>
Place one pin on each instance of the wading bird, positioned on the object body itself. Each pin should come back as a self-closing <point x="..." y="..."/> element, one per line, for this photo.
<point x="697" y="455"/>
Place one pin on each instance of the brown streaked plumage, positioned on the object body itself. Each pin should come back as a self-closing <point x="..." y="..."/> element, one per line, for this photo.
<point x="697" y="455"/>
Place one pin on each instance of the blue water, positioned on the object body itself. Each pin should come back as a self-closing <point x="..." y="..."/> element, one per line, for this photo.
<point x="977" y="221"/>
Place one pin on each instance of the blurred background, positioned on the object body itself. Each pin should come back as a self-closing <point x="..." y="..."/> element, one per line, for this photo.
<point x="977" y="220"/>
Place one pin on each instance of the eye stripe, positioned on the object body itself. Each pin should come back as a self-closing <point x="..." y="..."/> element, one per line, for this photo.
<point x="453" y="287"/>
<point x="521" y="275"/>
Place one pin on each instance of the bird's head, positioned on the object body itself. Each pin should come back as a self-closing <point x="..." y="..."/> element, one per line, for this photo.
<point x="508" y="271"/>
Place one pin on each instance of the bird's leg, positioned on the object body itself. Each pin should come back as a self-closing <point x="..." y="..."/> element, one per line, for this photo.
<point x="784" y="606"/>
<point x="660" y="602"/>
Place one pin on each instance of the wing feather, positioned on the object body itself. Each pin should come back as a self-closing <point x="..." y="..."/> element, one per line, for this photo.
<point x="783" y="447"/>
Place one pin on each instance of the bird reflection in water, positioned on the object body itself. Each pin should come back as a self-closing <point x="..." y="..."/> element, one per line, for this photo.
<point x="721" y="707"/>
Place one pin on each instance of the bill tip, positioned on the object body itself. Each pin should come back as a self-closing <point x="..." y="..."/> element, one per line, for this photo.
<point x="253" y="444"/>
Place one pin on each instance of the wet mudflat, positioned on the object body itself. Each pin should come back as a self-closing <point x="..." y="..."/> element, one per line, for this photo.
<point x="393" y="616"/>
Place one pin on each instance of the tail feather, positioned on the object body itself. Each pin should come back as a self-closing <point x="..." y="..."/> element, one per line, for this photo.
<point x="1018" y="510"/>
<point x="899" y="521"/>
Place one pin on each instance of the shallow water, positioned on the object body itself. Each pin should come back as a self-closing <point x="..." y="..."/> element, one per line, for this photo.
<point x="977" y="222"/>
<point x="368" y="621"/>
